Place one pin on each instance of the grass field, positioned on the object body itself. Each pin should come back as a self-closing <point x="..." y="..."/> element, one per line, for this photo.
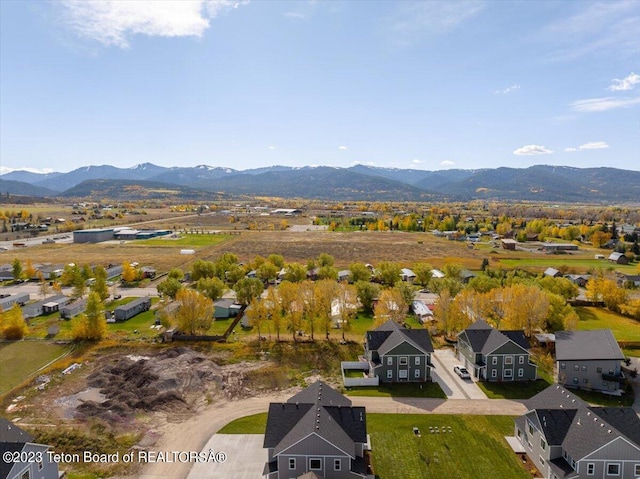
<point x="475" y="447"/>
<point x="512" y="390"/>
<point x="623" y="328"/>
<point x="192" y="240"/>
<point x="21" y="359"/>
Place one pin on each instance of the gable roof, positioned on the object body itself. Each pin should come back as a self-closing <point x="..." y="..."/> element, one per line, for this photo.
<point x="554" y="423"/>
<point x="483" y="338"/>
<point x="317" y="410"/>
<point x="587" y="345"/>
<point x="555" y="396"/>
<point x="9" y="432"/>
<point x="390" y="335"/>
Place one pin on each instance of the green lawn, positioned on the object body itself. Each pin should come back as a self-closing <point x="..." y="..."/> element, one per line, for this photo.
<point x="141" y="322"/>
<point x="513" y="389"/>
<point x="475" y="447"/>
<point x="600" y="399"/>
<point x="21" y="359"/>
<point x="623" y="328"/>
<point x="407" y="390"/>
<point x="193" y="240"/>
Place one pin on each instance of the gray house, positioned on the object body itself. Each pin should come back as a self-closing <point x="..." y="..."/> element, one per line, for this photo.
<point x="14" y="442"/>
<point x="316" y="433"/>
<point x="589" y="360"/>
<point x="397" y="354"/>
<point x="494" y="355"/>
<point x="131" y="309"/>
<point x="226" y="308"/>
<point x="566" y="438"/>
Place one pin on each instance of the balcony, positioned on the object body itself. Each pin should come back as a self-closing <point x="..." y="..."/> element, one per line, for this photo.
<point x="616" y="377"/>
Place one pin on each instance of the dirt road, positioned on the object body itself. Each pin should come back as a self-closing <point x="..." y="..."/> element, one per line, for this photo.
<point x="193" y="434"/>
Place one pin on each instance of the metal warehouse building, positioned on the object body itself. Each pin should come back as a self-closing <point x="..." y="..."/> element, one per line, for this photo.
<point x="96" y="235"/>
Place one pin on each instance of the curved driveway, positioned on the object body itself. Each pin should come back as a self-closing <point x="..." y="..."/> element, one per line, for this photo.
<point x="194" y="434"/>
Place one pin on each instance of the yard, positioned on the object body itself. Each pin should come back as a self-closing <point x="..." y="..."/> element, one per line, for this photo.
<point x="407" y="390"/>
<point x="512" y="389"/>
<point x="475" y="447"/>
<point x="625" y="330"/>
<point x="21" y="359"/>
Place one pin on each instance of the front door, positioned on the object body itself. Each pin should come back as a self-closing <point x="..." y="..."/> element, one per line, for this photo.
<point x="403" y="368"/>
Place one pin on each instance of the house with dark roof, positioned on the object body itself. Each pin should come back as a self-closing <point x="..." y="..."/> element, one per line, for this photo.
<point x="567" y="438"/>
<point x="618" y="258"/>
<point x="16" y="443"/>
<point x="398" y="354"/>
<point x="317" y="433"/>
<point x="589" y="360"/>
<point x="494" y="355"/>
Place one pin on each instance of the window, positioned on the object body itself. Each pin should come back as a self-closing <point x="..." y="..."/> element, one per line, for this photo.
<point x="416" y="373"/>
<point x="389" y="374"/>
<point x="494" y="373"/>
<point x="576" y="381"/>
<point x="599" y="370"/>
<point x="613" y="469"/>
<point x="494" y="360"/>
<point x="389" y="361"/>
<point x="337" y="465"/>
<point x="521" y="359"/>
<point x="591" y="469"/>
<point x="531" y="429"/>
<point x="611" y="372"/>
<point x="417" y="361"/>
<point x="576" y="367"/>
<point x="520" y="372"/>
<point x="584" y="368"/>
<point x="637" y="473"/>
<point x="40" y="466"/>
<point x="25" y="475"/>
<point x="605" y="385"/>
<point x="508" y="373"/>
<point x="543" y="444"/>
<point x="508" y="359"/>
<point x="563" y="365"/>
<point x="541" y="459"/>
<point x="585" y="380"/>
<point x="403" y="374"/>
<point x="315" y="464"/>
<point x="292" y="463"/>
<point x="404" y="361"/>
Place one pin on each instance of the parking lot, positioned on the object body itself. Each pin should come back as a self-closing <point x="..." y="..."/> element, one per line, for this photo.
<point x="452" y="385"/>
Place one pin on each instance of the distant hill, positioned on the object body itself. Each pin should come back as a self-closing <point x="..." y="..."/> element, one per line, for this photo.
<point x="541" y="183"/>
<point x="24" y="189"/>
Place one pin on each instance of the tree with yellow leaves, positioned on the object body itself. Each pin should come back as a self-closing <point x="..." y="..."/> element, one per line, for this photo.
<point x="390" y="305"/>
<point x="90" y="325"/>
<point x="195" y="312"/>
<point x="12" y="324"/>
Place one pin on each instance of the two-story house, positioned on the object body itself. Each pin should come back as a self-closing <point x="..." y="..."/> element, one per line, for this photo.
<point x="494" y="355"/>
<point x="398" y="354"/>
<point x="31" y="459"/>
<point x="566" y="438"/>
<point x="589" y="360"/>
<point x="316" y="433"/>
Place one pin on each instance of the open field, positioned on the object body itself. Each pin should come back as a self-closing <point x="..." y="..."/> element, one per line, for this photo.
<point x="407" y="390"/>
<point x="474" y="448"/>
<point x="183" y="240"/>
<point x="625" y="330"/>
<point x="21" y="359"/>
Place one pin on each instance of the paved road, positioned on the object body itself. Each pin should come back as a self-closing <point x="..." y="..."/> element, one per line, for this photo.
<point x="194" y="434"/>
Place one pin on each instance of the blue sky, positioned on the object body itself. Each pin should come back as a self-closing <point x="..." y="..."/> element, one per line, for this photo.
<point x="427" y="85"/>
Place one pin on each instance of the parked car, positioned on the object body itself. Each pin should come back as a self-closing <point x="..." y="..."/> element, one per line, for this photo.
<point x="461" y="371"/>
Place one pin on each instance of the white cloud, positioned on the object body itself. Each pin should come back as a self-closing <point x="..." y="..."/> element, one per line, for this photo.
<point x="604" y="104"/>
<point x="447" y="163"/>
<point x="296" y="15"/>
<point x="627" y="83"/>
<point x="416" y="161"/>
<point x="113" y="22"/>
<point x="530" y="150"/>
<point x="604" y="28"/>
<point x="271" y="147"/>
<point x="415" y="19"/>
<point x="594" y="145"/>
<point x="570" y="149"/>
<point x="508" y="90"/>
<point x="342" y="147"/>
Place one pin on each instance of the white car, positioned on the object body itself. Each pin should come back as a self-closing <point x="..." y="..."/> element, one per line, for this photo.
<point x="461" y="371"/>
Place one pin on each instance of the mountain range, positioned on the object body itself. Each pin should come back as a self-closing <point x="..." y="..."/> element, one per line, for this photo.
<point x="540" y="183"/>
